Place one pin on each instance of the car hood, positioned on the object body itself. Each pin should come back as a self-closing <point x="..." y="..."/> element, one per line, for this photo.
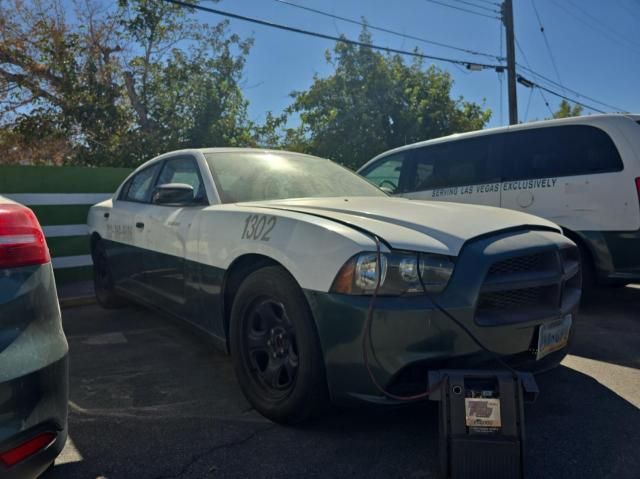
<point x="429" y="226"/>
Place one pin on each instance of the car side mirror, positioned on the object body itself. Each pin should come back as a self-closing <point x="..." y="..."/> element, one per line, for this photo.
<point x="178" y="194"/>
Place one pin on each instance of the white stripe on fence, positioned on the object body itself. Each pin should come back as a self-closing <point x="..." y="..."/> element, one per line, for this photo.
<point x="65" y="230"/>
<point x="71" y="261"/>
<point x="37" y="199"/>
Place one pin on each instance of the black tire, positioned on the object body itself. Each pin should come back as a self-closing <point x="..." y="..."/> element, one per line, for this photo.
<point x="275" y="348"/>
<point x="103" y="279"/>
<point x="589" y="278"/>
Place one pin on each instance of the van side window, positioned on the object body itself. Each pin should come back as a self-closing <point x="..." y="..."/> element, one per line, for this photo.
<point x="455" y="163"/>
<point x="386" y="173"/>
<point x="559" y="151"/>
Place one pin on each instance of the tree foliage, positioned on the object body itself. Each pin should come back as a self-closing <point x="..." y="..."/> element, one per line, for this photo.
<point x="120" y="84"/>
<point x="565" y="110"/>
<point x="117" y="83"/>
<point x="374" y="102"/>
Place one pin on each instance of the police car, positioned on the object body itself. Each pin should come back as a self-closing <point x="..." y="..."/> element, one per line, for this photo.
<point x="324" y="288"/>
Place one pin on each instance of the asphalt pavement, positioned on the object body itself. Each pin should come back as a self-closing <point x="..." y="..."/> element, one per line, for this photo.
<point x="150" y="398"/>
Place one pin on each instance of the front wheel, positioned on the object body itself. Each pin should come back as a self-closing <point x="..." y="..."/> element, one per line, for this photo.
<point x="275" y="348"/>
<point x="103" y="279"/>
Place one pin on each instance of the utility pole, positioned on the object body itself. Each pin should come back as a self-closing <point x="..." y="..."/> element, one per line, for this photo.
<point x="507" y="19"/>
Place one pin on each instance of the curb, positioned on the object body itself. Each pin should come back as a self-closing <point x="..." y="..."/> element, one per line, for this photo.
<point x="76" y="301"/>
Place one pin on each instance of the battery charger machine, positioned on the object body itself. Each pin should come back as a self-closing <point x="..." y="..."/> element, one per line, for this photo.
<point x="481" y="422"/>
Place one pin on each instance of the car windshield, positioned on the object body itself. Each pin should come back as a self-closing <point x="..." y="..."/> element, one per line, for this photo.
<point x="258" y="176"/>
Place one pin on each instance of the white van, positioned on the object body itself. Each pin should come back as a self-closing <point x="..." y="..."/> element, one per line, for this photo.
<point x="582" y="173"/>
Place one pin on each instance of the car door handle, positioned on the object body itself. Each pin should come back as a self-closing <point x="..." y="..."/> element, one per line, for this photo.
<point x="106" y="215"/>
<point x="140" y="225"/>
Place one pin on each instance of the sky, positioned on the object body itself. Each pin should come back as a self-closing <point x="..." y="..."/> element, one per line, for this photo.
<point x="595" y="45"/>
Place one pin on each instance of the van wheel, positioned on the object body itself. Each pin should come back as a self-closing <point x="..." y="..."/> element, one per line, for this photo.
<point x="587" y="268"/>
<point x="103" y="279"/>
<point x="275" y="348"/>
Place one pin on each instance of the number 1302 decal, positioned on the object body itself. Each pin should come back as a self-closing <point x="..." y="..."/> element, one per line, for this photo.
<point x="258" y="227"/>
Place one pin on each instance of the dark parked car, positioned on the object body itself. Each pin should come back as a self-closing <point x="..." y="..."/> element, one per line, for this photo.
<point x="33" y="349"/>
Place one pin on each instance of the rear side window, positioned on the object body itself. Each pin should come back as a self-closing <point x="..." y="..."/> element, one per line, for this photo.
<point x="559" y="151"/>
<point x="138" y="188"/>
<point x="455" y="163"/>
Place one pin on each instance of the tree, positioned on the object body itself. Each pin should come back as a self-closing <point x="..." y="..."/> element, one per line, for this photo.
<point x="122" y="83"/>
<point x="565" y="110"/>
<point x="190" y="96"/>
<point x="57" y="77"/>
<point x="374" y="102"/>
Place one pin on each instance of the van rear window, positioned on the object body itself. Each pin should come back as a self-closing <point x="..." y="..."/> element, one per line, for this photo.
<point x="558" y="151"/>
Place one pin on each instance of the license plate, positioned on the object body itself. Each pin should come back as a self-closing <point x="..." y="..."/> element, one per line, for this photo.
<point x="553" y="336"/>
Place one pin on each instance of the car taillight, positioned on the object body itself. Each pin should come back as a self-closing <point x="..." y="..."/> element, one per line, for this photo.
<point x="638" y="187"/>
<point x="22" y="241"/>
<point x="27" y="449"/>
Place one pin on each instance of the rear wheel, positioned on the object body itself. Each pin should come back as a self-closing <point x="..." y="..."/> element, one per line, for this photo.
<point x="275" y="348"/>
<point x="103" y="279"/>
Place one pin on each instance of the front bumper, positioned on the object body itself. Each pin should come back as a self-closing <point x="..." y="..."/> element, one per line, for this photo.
<point x="410" y="335"/>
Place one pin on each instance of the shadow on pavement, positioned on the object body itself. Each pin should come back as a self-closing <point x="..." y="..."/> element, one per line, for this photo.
<point x="150" y="400"/>
<point x="609" y="327"/>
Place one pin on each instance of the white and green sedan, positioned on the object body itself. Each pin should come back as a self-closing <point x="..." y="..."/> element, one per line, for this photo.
<point x="287" y="260"/>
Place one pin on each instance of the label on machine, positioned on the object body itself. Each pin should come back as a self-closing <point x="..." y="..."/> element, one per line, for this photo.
<point x="482" y="414"/>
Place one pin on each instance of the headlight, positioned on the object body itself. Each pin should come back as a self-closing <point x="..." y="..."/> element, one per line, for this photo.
<point x="366" y="271"/>
<point x="400" y="273"/>
<point x="435" y="270"/>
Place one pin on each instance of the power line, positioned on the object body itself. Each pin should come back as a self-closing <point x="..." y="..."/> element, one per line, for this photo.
<point x="526" y="112"/>
<point x="549" y="80"/>
<point x="489" y="2"/>
<point x="475" y="5"/>
<point x="629" y="10"/>
<point x="596" y="27"/>
<point x="526" y="60"/>
<point x="577" y="93"/>
<point x="342" y="39"/>
<point x="546" y="42"/>
<point x="462" y="9"/>
<point x="371" y="46"/>
<point x="529" y="83"/>
<point x="598" y="21"/>
<point x="386" y="30"/>
<point x="544" y="99"/>
<point x="564" y="97"/>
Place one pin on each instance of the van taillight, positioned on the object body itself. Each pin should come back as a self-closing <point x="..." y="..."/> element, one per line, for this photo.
<point x="638" y="187"/>
<point x="22" y="241"/>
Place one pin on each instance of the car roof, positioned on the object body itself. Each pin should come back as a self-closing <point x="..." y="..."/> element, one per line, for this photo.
<point x="576" y="120"/>
<point x="228" y="149"/>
